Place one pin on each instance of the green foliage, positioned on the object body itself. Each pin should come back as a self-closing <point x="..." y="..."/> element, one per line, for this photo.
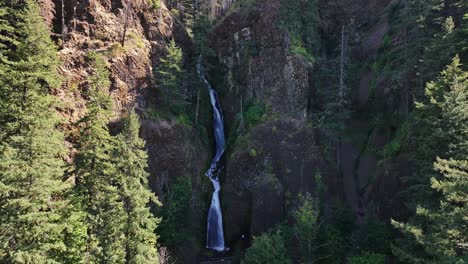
<point x="97" y="174"/>
<point x="116" y="50"/>
<point x="437" y="233"/>
<point x="254" y="114"/>
<point x="367" y="258"/>
<point x="300" y="19"/>
<point x="267" y="248"/>
<point x="33" y="195"/>
<point x="298" y="48"/>
<point x="200" y="39"/>
<point x="140" y="238"/>
<point x="175" y="212"/>
<point x="392" y="148"/>
<point x="170" y="75"/>
<point x="137" y="40"/>
<point x="112" y="180"/>
<point x="395" y="146"/>
<point x="155" y="4"/>
<point x="252" y="153"/>
<point x="184" y="120"/>
<point x="374" y="235"/>
<point x="306" y="226"/>
<point x="152" y="113"/>
<point x="335" y="238"/>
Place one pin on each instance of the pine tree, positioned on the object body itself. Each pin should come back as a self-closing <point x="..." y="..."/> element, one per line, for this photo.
<point x="97" y="175"/>
<point x="36" y="219"/>
<point x="140" y="244"/>
<point x="437" y="233"/>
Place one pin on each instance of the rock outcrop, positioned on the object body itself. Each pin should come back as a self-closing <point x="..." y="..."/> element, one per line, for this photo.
<point x="256" y="63"/>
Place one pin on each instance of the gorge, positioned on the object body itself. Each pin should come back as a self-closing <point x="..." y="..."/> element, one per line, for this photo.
<point x="233" y="131"/>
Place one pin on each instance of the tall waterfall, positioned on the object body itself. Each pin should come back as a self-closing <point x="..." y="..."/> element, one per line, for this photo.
<point x="214" y="235"/>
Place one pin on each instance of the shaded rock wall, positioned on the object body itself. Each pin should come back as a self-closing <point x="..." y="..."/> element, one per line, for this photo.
<point x="253" y="53"/>
<point x="277" y="159"/>
<point x="266" y="171"/>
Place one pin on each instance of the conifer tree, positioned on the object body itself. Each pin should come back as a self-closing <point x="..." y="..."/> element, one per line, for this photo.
<point x="437" y="233"/>
<point x="140" y="244"/>
<point x="36" y="219"/>
<point x="170" y="73"/>
<point x="97" y="177"/>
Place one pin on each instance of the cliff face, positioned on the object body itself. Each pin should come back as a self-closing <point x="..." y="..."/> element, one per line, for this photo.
<point x="279" y="157"/>
<point x="256" y="63"/>
<point x="84" y="26"/>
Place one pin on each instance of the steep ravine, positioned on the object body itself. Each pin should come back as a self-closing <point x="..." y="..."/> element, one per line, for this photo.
<point x="269" y="161"/>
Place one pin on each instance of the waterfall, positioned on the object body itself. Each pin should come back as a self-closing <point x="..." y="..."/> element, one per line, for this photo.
<point x="214" y="234"/>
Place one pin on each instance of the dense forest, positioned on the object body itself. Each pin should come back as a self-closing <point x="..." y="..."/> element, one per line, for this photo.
<point x="234" y="131"/>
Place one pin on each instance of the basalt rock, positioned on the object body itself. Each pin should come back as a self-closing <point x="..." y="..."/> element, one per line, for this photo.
<point x="254" y="56"/>
<point x="265" y="172"/>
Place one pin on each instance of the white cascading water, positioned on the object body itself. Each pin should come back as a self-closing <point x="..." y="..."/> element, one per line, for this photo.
<point x="214" y="234"/>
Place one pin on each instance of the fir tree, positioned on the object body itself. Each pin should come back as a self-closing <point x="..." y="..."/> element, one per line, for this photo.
<point x="140" y="244"/>
<point x="97" y="175"/>
<point x="437" y="233"/>
<point x="171" y="73"/>
<point x="36" y="219"/>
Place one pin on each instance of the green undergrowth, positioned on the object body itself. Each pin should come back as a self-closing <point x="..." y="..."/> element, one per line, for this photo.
<point x="255" y="113"/>
<point x="159" y="114"/>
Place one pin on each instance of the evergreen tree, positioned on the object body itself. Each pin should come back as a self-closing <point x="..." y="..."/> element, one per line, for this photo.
<point x="36" y="219"/>
<point x="175" y="212"/>
<point x="97" y="175"/>
<point x="437" y="233"/>
<point x="171" y="74"/>
<point x="140" y="245"/>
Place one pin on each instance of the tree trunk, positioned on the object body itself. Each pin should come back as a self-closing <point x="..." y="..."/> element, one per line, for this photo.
<point x="64" y="30"/>
<point x="198" y="106"/>
<point x="242" y="125"/>
<point x="126" y="14"/>
<point x="341" y="99"/>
